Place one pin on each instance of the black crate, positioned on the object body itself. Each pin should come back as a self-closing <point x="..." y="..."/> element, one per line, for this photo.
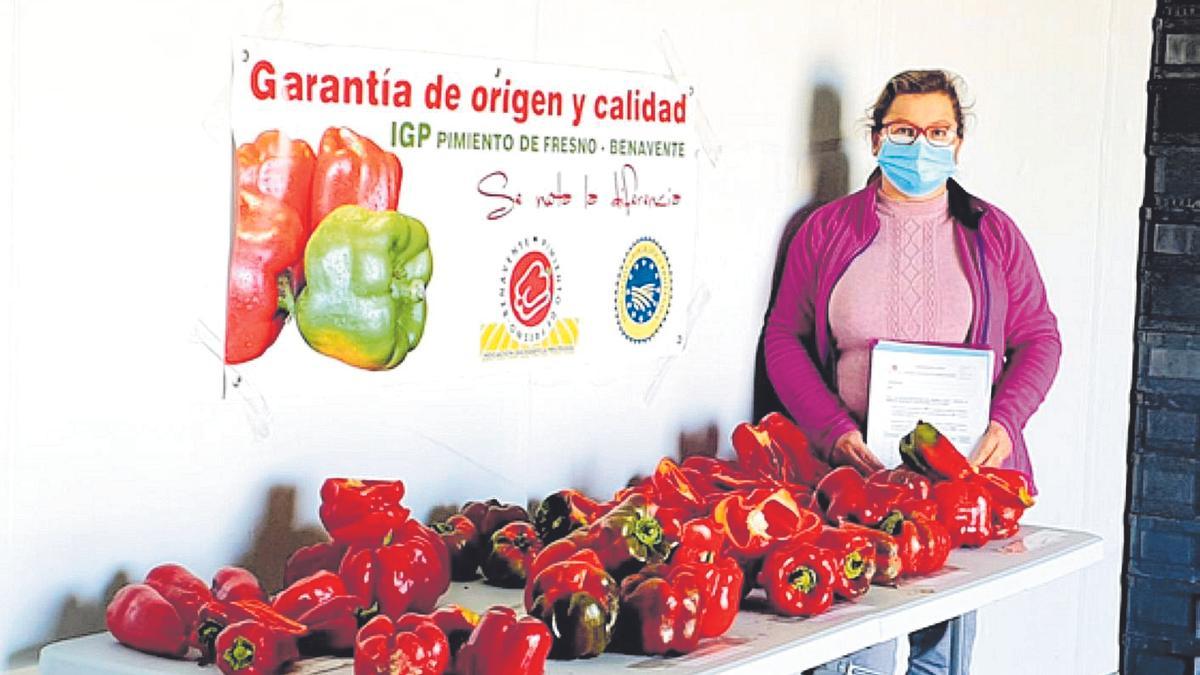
<point x="1165" y="486"/>
<point x="1176" y="52"/>
<point x="1167" y="424"/>
<point x="1168" y="363"/>
<point x="1172" y="296"/>
<point x="1147" y="656"/>
<point x="1173" y="176"/>
<point x="1175" y="112"/>
<point x="1165" y="610"/>
<point x="1165" y="549"/>
<point x="1179" y="241"/>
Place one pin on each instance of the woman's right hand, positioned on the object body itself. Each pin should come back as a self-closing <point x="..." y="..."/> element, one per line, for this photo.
<point x="850" y="449"/>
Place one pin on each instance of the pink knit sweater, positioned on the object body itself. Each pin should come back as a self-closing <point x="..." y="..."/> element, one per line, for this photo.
<point x="908" y="285"/>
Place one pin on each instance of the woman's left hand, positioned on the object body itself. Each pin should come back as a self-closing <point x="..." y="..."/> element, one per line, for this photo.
<point x="993" y="448"/>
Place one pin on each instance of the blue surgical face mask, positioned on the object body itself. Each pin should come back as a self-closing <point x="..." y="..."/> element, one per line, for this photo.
<point x="917" y="169"/>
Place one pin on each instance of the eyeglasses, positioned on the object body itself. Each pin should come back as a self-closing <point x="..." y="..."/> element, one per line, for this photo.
<point x="907" y="133"/>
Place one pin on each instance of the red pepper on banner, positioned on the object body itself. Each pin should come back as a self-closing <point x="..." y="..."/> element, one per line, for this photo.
<point x="264" y="274"/>
<point x="352" y="169"/>
<point x="280" y="167"/>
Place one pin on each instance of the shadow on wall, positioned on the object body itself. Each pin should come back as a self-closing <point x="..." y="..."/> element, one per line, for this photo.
<point x="276" y="536"/>
<point x="830" y="170"/>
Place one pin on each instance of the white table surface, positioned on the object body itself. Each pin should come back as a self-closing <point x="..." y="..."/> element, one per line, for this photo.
<point x="758" y="641"/>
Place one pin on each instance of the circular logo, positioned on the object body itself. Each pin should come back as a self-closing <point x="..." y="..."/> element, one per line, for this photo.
<point x="643" y="290"/>
<point x="530" y="290"/>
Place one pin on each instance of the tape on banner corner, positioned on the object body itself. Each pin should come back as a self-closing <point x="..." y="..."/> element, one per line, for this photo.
<point x="258" y="414"/>
<point x="704" y="131"/>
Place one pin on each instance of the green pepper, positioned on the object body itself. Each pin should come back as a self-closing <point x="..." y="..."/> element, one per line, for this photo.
<point x="365" y="299"/>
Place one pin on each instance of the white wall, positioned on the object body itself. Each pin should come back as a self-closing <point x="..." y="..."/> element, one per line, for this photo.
<point x="119" y="452"/>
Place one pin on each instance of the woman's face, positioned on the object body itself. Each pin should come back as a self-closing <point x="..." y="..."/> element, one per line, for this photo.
<point x="921" y="110"/>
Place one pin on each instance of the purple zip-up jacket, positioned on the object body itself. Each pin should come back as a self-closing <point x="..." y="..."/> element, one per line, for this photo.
<point x="1011" y="316"/>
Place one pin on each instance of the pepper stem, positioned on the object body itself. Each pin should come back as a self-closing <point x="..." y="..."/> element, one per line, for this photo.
<point x="648" y="531"/>
<point x="287" y="298"/>
<point x="854" y="565"/>
<point x="241" y="655"/>
<point x="803" y="579"/>
<point x="892" y="523"/>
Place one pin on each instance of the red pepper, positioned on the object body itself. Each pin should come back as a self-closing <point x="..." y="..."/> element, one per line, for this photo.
<point x="965" y="509"/>
<point x="804" y="466"/>
<point x="264" y="274"/>
<point x="1010" y="494"/>
<point x="927" y="451"/>
<point x="672" y="489"/>
<point x="362" y="512"/>
<point x="503" y="645"/>
<point x="855" y="561"/>
<point x="513" y="549"/>
<point x="717" y="476"/>
<point x="753" y="522"/>
<point x="215" y="616"/>
<point x="911" y="484"/>
<point x="627" y="537"/>
<point x="758" y="454"/>
<point x="721" y="586"/>
<point x="457" y="624"/>
<point x="701" y="540"/>
<point x="322" y="603"/>
<point x="924" y="542"/>
<point x="412" y="645"/>
<point x="888" y="563"/>
<point x="1008" y="487"/>
<point x="409" y="572"/>
<point x="843" y="495"/>
<point x="799" y="579"/>
<point x="660" y="612"/>
<point x="563" y="512"/>
<point x="252" y="648"/>
<point x="352" y="169"/>
<point x="236" y="583"/>
<point x="184" y="590"/>
<point x="312" y="559"/>
<point x="140" y="617"/>
<point x="490" y="516"/>
<point x="280" y="167"/>
<point x="578" y="600"/>
<point x="461" y="538"/>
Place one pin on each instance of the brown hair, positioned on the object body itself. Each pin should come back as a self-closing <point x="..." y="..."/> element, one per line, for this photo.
<point x="917" y="82"/>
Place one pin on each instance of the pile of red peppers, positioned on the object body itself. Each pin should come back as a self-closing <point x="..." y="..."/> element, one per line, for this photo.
<point x="657" y="569"/>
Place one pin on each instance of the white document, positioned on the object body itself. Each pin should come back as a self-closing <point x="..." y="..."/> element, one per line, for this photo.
<point x="949" y="387"/>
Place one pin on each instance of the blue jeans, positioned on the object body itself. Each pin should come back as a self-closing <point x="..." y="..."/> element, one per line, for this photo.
<point x="929" y="653"/>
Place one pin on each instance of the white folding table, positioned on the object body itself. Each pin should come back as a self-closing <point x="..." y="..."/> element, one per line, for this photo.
<point x="758" y="642"/>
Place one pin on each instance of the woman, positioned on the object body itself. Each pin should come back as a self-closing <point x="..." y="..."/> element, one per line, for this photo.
<point x="914" y="257"/>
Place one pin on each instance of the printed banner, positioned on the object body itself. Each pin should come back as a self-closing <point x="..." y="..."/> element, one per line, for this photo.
<point x="392" y="206"/>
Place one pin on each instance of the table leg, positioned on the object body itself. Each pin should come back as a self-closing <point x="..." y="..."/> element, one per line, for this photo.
<point x="957" y="646"/>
